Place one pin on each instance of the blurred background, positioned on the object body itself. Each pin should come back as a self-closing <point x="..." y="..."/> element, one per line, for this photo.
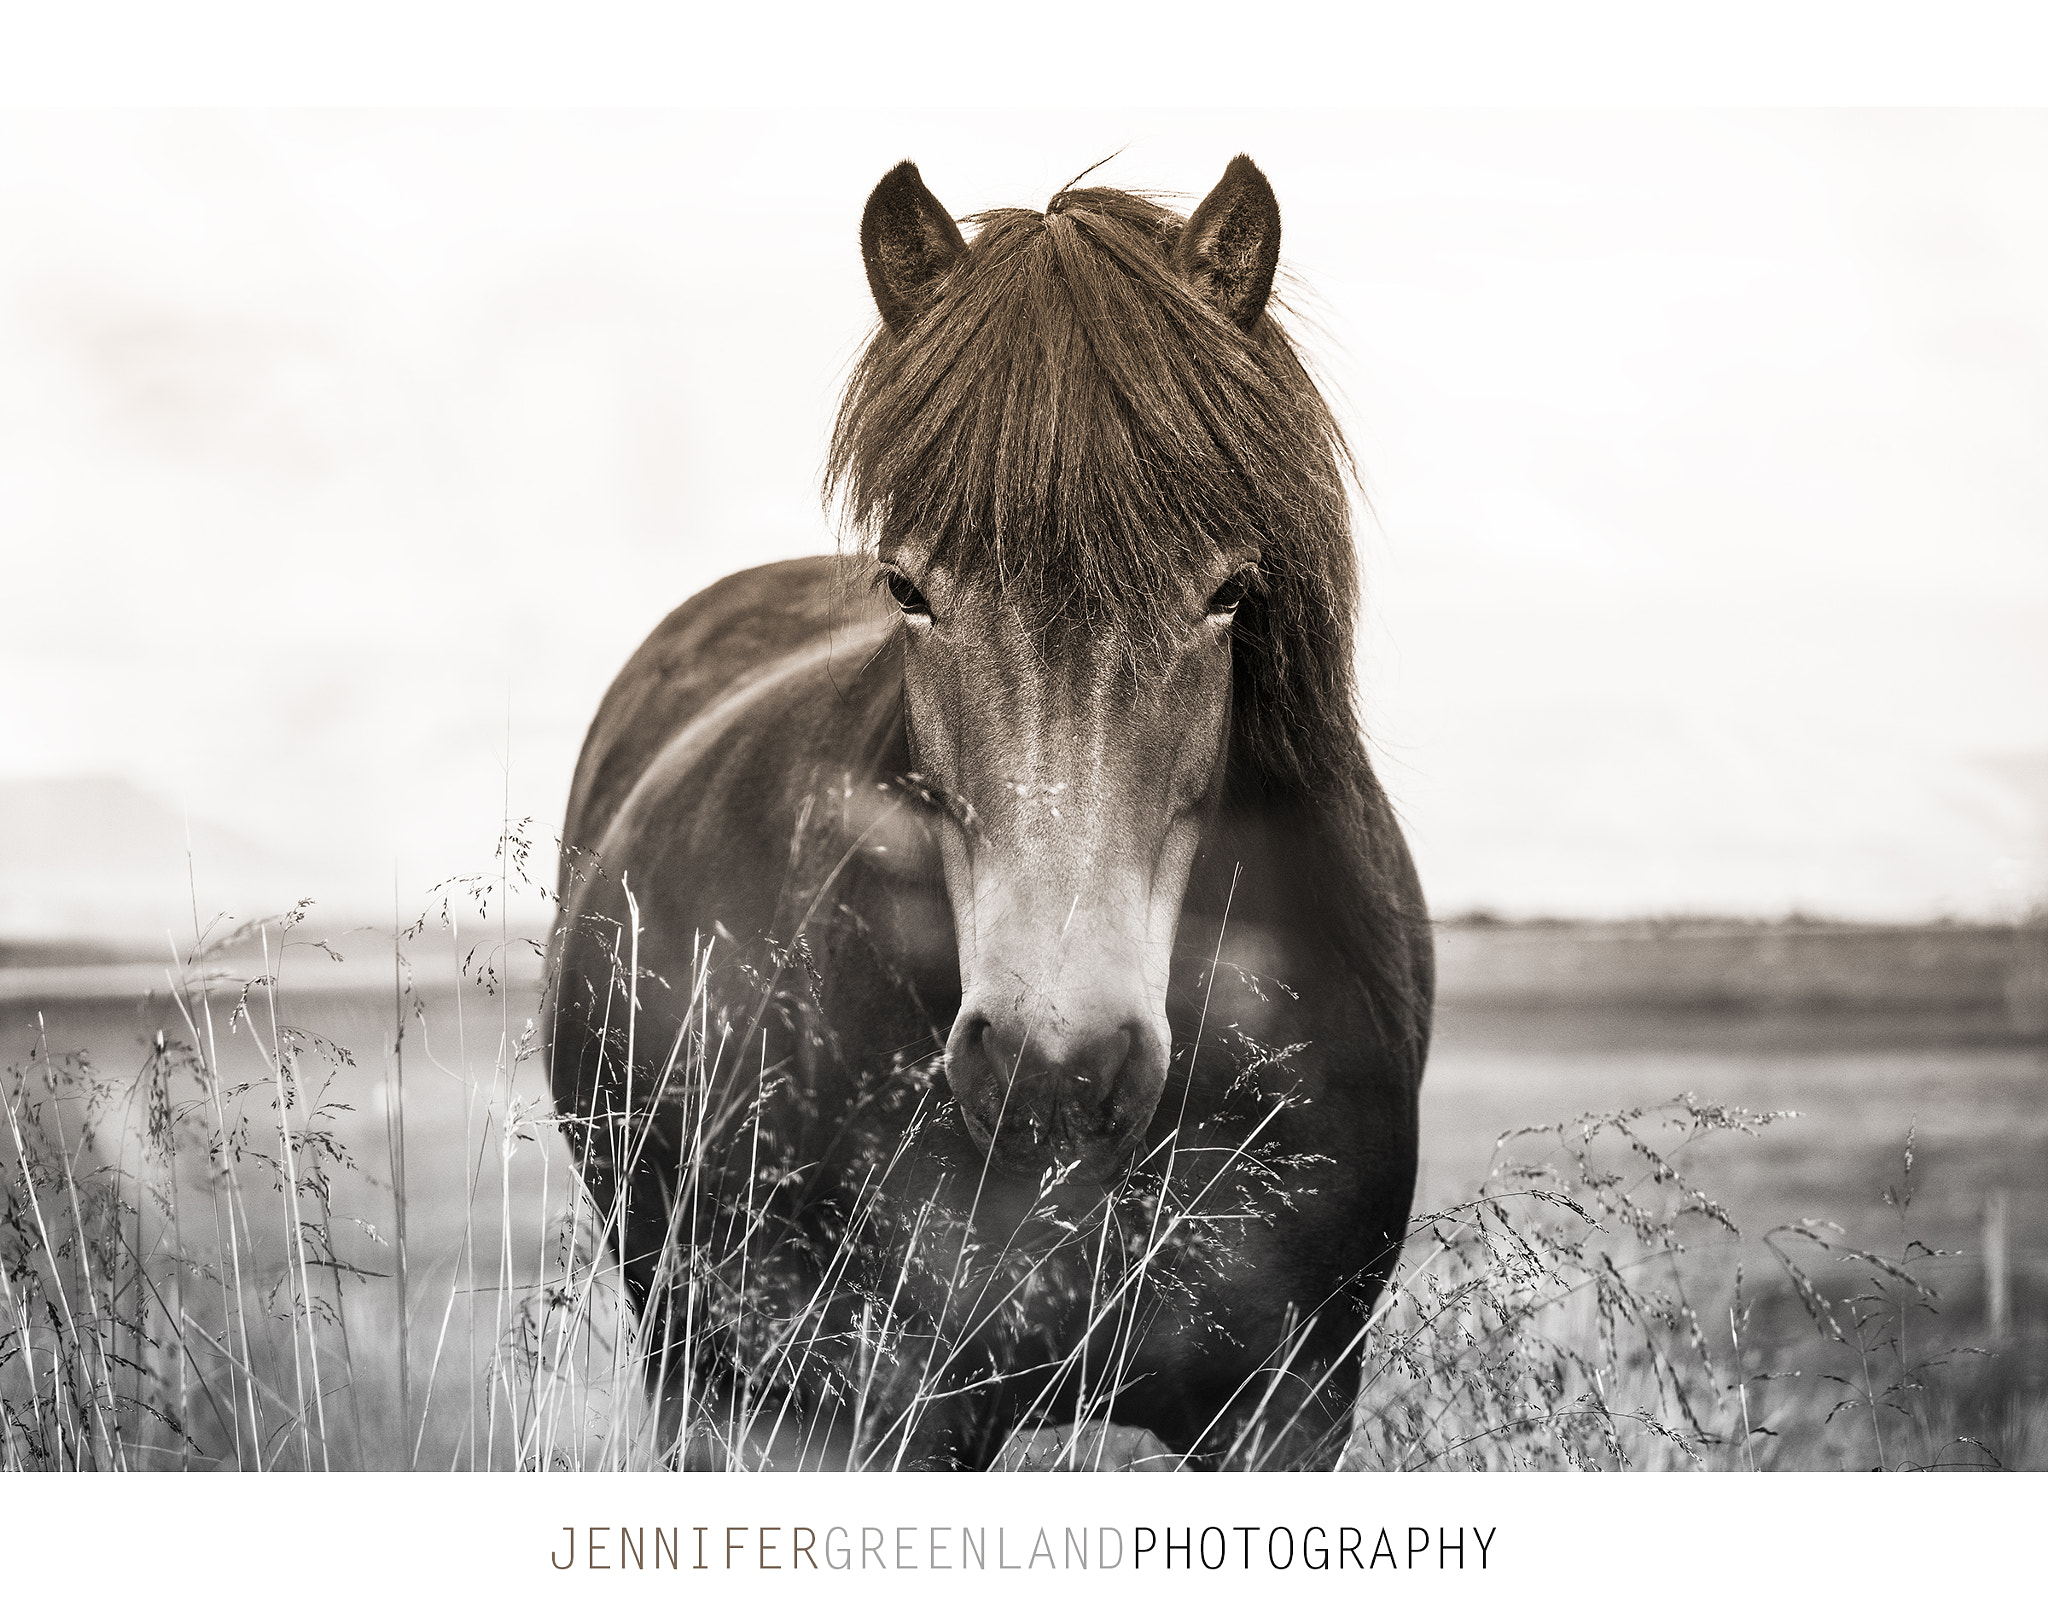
<point x="344" y="457"/>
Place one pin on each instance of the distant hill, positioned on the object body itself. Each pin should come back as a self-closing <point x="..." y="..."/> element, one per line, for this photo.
<point x="1802" y="967"/>
<point x="100" y="858"/>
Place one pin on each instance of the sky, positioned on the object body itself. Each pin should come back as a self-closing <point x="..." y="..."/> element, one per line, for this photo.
<point x="1703" y="521"/>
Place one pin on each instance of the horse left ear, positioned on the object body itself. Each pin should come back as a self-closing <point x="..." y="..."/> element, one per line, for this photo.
<point x="909" y="241"/>
<point x="1230" y="249"/>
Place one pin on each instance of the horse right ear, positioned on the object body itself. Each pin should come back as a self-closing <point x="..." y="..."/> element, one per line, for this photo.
<point x="1231" y="247"/>
<point x="909" y="242"/>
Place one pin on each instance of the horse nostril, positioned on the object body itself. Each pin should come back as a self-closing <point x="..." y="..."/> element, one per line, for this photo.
<point x="1103" y="1064"/>
<point x="1003" y="1058"/>
<point x="1016" y="1058"/>
<point x="1054" y="1084"/>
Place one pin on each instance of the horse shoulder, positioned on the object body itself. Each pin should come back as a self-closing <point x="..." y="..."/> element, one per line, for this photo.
<point x="716" y="642"/>
<point x="724" y="818"/>
<point x="1272" y="942"/>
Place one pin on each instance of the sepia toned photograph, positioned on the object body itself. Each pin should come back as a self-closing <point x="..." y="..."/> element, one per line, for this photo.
<point x="1078" y="791"/>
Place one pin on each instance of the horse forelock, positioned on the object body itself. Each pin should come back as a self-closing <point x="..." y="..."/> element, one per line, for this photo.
<point x="1068" y="420"/>
<point x="1071" y="422"/>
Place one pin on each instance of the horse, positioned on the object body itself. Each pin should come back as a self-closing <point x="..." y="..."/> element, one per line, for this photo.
<point x="990" y="990"/>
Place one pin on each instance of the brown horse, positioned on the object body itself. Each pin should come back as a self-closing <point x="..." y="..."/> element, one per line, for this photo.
<point x="991" y="989"/>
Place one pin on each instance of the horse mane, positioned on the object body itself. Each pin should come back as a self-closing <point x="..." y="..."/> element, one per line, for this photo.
<point x="1069" y="418"/>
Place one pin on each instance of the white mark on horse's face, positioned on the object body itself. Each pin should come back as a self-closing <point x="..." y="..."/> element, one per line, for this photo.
<point x="1090" y="767"/>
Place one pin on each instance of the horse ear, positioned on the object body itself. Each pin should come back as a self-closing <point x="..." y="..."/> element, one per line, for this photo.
<point x="1229" y="250"/>
<point x="909" y="242"/>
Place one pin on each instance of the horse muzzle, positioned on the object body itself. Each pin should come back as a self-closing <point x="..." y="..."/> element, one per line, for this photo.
<point x="1039" y="1090"/>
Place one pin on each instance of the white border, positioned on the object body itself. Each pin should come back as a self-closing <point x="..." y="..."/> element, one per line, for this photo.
<point x="1042" y="53"/>
<point x="1673" y="1547"/>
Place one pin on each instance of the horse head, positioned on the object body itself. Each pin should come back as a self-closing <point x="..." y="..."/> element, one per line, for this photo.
<point x="1065" y="522"/>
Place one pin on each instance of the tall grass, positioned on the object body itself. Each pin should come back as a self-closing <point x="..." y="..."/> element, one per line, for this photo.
<point x="201" y="1268"/>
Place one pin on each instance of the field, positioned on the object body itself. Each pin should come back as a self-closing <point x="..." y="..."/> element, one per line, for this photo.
<point x="260" y="1325"/>
<point x="1870" y="1039"/>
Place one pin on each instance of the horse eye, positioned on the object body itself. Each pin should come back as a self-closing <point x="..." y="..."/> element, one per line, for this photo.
<point x="908" y="597"/>
<point x="1228" y="596"/>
